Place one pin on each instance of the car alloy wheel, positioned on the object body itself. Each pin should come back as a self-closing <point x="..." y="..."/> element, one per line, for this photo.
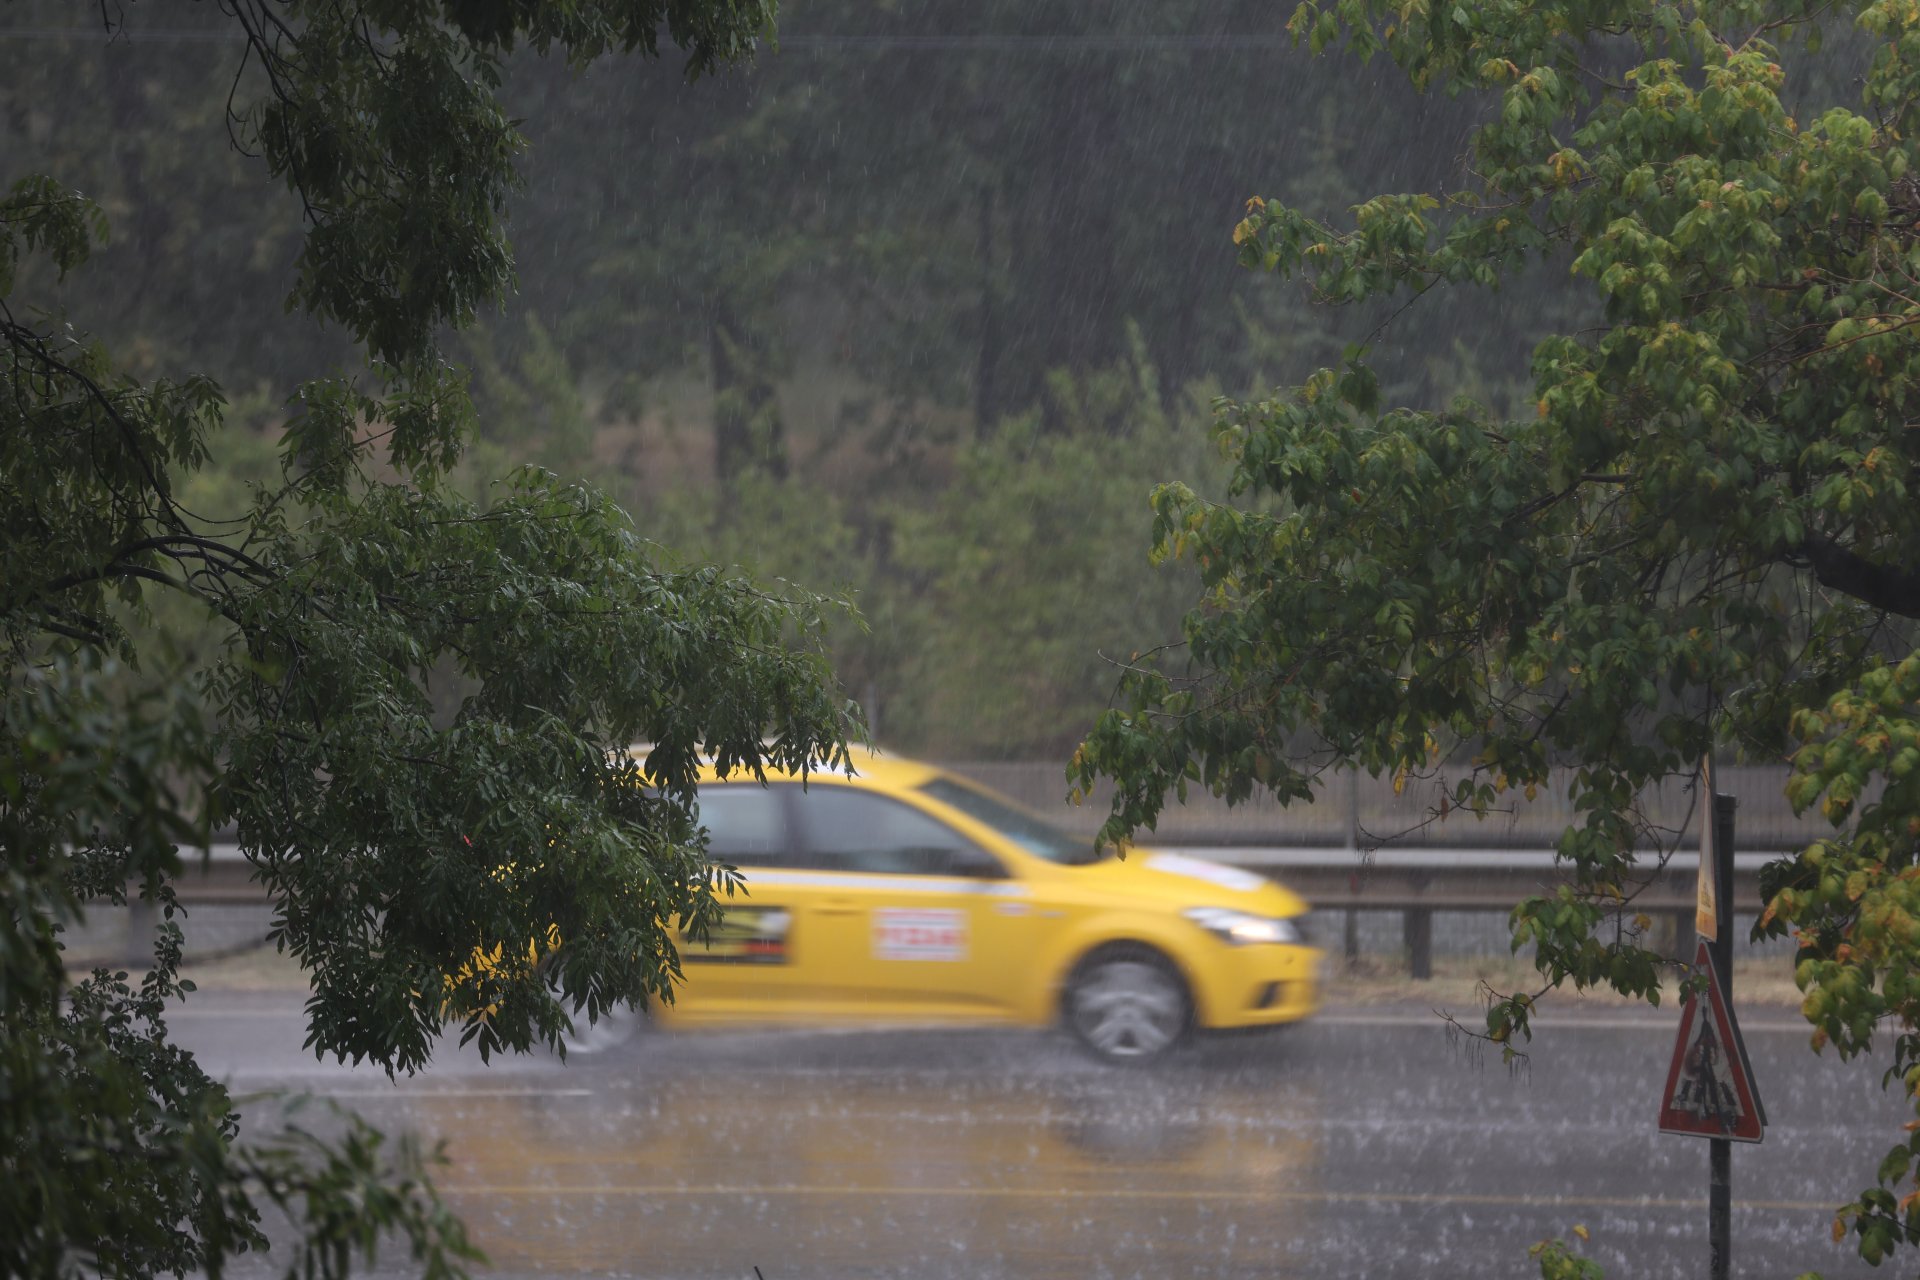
<point x="613" y="1028"/>
<point x="1128" y="1007"/>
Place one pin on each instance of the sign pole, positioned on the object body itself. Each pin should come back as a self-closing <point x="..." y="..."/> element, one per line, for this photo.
<point x="1720" y="1175"/>
<point x="1710" y="1090"/>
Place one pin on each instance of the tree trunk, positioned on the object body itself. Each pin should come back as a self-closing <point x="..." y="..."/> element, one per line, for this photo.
<point x="986" y="403"/>
<point x="747" y="430"/>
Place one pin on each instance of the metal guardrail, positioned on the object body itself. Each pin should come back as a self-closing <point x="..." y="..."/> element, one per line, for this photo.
<point x="1356" y="811"/>
<point x="1337" y="883"/>
<point x="1418" y="883"/>
<point x="1422" y="859"/>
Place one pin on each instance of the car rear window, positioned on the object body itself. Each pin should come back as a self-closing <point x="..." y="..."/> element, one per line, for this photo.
<point x="746" y="825"/>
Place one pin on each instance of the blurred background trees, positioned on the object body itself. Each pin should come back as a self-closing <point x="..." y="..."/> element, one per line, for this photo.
<point x="396" y="692"/>
<point x="921" y="305"/>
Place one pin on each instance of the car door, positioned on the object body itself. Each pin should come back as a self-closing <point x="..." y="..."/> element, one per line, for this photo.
<point x="907" y="919"/>
<point x="747" y="968"/>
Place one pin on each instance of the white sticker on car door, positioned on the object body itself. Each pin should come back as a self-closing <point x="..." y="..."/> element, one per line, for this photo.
<point x="744" y="935"/>
<point x="919" y="933"/>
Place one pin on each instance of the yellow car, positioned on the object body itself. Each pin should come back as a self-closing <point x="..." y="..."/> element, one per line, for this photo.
<point x="904" y="894"/>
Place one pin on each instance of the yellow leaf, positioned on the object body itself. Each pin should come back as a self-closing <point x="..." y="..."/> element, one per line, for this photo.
<point x="1580" y="1231"/>
<point x="1839" y="1228"/>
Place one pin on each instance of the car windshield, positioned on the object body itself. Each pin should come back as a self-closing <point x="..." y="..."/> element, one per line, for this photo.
<point x="1034" y="834"/>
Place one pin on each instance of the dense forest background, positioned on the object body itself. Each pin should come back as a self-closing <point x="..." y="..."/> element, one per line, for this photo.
<point x="919" y="309"/>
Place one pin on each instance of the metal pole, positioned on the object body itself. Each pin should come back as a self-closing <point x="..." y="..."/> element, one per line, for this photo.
<point x="1352" y="938"/>
<point x="1352" y="931"/>
<point x="1353" y="810"/>
<point x="1720" y="1175"/>
<point x="137" y="951"/>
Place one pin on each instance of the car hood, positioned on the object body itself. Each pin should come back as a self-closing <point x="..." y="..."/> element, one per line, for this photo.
<point x="1179" y="879"/>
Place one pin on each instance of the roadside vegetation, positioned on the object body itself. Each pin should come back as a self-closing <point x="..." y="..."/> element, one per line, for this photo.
<point x="410" y="705"/>
<point x="1696" y="535"/>
<point x="839" y="387"/>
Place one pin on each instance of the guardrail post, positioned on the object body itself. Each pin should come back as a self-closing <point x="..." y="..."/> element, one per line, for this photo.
<point x="1353" y="810"/>
<point x="1417" y="928"/>
<point x="1352" y="938"/>
<point x="1419" y="934"/>
<point x="138" y="948"/>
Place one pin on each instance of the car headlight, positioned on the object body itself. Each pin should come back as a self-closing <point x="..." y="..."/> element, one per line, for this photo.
<point x="1244" y="930"/>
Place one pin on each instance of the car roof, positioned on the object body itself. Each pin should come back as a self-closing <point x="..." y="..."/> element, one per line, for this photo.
<point x="868" y="766"/>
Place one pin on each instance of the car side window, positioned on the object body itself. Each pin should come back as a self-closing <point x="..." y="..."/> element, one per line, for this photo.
<point x="746" y="825"/>
<point x="849" y="830"/>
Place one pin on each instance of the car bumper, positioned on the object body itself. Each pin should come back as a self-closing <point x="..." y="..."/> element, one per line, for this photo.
<point x="1257" y="986"/>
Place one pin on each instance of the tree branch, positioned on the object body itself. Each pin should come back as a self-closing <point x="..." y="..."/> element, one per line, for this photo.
<point x="1846" y="571"/>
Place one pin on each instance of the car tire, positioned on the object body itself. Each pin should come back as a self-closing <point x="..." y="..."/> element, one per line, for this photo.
<point x="1128" y="1005"/>
<point x="614" y="1028"/>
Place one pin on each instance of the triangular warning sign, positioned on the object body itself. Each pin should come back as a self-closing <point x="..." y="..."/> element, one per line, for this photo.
<point x="1710" y="1091"/>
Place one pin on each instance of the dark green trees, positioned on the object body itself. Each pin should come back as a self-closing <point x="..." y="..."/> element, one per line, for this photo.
<point x="413" y="707"/>
<point x="1700" y="535"/>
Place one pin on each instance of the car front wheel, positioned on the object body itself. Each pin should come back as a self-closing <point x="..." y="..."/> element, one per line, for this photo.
<point x="1127" y="1004"/>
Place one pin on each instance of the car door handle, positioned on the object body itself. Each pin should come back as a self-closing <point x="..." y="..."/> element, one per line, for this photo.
<point x="839" y="907"/>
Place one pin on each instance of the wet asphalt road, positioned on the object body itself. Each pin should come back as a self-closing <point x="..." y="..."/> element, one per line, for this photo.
<point x="1366" y="1143"/>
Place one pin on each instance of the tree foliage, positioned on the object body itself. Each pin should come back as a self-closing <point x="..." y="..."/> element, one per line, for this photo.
<point x="944" y="204"/>
<point x="1703" y="536"/>
<point x="997" y="589"/>
<point x="854" y="263"/>
<point x="1025" y="575"/>
<point x="418" y="706"/>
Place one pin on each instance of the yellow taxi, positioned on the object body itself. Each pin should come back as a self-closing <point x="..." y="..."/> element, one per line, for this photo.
<point x="905" y="894"/>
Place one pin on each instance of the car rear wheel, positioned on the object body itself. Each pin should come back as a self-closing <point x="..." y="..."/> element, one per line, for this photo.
<point x="1127" y="1004"/>
<point x="612" y="1029"/>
